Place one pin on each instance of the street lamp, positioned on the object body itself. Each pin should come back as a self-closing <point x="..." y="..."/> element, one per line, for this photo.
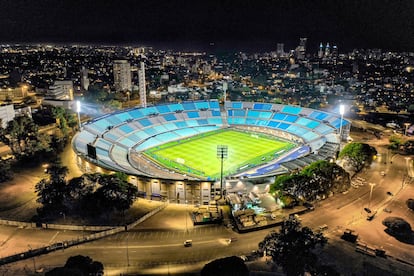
<point x="341" y="111"/>
<point x="186" y="214"/>
<point x="78" y="110"/>
<point x="33" y="258"/>
<point x="128" y="98"/>
<point x="370" y="194"/>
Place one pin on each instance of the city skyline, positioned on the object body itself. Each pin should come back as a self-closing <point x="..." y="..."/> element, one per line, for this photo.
<point x="249" y="25"/>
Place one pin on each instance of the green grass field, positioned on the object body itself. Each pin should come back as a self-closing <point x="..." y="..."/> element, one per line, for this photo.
<point x="197" y="155"/>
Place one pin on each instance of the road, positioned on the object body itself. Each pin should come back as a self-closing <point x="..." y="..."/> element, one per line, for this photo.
<point x="156" y="246"/>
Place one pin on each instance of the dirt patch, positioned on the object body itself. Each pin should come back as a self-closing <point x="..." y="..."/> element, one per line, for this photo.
<point x="17" y="197"/>
<point x="18" y="202"/>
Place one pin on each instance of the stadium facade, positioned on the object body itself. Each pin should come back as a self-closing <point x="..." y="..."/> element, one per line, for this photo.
<point x="116" y="141"/>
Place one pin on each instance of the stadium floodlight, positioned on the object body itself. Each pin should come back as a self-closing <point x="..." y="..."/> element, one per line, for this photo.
<point x="78" y="110"/>
<point x="341" y="111"/>
<point x="222" y="153"/>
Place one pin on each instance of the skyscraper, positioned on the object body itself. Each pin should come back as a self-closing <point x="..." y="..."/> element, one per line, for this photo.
<point x="122" y="75"/>
<point x="142" y="84"/>
<point x="327" y="50"/>
<point x="320" y="52"/>
<point x="84" y="80"/>
<point x="280" y="49"/>
<point x="301" y="49"/>
<point x="334" y="51"/>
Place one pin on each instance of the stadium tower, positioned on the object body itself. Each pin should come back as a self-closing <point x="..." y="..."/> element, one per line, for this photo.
<point x="122" y="75"/>
<point x="142" y="85"/>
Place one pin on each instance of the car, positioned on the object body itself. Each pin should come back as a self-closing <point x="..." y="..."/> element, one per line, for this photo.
<point x="309" y="206"/>
<point x="232" y="239"/>
<point x="367" y="210"/>
<point x="371" y="216"/>
<point x="323" y="227"/>
<point x="188" y="243"/>
<point x="383" y="173"/>
<point x="387" y="210"/>
<point x="389" y="193"/>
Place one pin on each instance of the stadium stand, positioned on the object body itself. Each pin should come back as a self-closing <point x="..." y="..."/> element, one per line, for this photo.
<point x="115" y="135"/>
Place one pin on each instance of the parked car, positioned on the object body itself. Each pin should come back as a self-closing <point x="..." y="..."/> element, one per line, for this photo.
<point x="371" y="216"/>
<point x="387" y="210"/>
<point x="367" y="210"/>
<point x="309" y="206"/>
<point x="323" y="227"/>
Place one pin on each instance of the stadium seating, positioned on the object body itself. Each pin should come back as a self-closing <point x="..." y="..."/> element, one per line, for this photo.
<point x="115" y="134"/>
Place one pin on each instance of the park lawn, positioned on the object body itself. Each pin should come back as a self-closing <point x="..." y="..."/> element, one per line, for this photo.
<point x="198" y="154"/>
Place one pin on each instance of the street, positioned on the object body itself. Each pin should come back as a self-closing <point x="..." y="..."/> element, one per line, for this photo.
<point x="156" y="245"/>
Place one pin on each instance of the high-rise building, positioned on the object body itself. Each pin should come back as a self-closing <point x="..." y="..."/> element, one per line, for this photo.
<point x="280" y="51"/>
<point x="7" y="114"/>
<point x="335" y="51"/>
<point x="60" y="90"/>
<point x="327" y="50"/>
<point x="122" y="75"/>
<point x="84" y="80"/>
<point x="320" y="52"/>
<point x="142" y="85"/>
<point x="301" y="49"/>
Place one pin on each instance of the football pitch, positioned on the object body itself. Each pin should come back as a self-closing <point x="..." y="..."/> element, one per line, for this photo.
<point x="197" y="155"/>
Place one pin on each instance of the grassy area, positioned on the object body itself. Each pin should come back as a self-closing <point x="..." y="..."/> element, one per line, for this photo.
<point x="197" y="155"/>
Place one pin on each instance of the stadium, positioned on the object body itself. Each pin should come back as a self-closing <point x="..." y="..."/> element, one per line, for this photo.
<point x="179" y="150"/>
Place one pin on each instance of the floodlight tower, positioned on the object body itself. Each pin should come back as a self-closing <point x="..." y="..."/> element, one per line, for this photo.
<point x="341" y="111"/>
<point x="222" y="153"/>
<point x="142" y="85"/>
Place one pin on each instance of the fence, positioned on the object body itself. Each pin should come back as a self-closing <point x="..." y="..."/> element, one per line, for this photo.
<point x="69" y="243"/>
<point x="54" y="226"/>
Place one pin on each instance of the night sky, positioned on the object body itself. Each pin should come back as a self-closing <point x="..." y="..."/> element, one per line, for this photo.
<point x="243" y="25"/>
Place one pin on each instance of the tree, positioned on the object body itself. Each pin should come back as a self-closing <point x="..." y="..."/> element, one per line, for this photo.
<point x="78" y="265"/>
<point x="410" y="203"/>
<point x="317" y="179"/>
<point x="397" y="226"/>
<point x="115" y="193"/>
<point x="23" y="137"/>
<point x="52" y="192"/>
<point x="395" y="142"/>
<point x="96" y="93"/>
<point x="5" y="171"/>
<point x="64" y="119"/>
<point x="327" y="177"/>
<point x="358" y="154"/>
<point x="114" y="104"/>
<point x="78" y="188"/>
<point x="292" y="246"/>
<point x="226" y="266"/>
